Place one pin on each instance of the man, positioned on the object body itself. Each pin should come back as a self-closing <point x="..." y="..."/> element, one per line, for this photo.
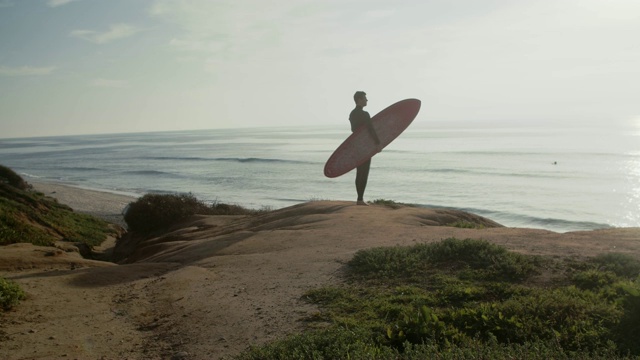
<point x="358" y="118"/>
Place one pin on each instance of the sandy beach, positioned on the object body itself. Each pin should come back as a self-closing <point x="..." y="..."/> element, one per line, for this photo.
<point x="104" y="205"/>
<point x="217" y="285"/>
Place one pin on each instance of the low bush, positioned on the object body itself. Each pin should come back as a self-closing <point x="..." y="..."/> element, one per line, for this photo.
<point x="10" y="177"/>
<point x="153" y="212"/>
<point x="626" y="332"/>
<point x="333" y="343"/>
<point x="391" y="203"/>
<point x="464" y="224"/>
<point x="620" y="264"/>
<point x="487" y="260"/>
<point x="10" y="294"/>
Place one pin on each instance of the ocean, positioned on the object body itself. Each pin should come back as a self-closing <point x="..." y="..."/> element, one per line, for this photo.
<point x="560" y="179"/>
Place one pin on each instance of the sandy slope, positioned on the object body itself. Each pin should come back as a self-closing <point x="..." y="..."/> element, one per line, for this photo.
<point x="219" y="284"/>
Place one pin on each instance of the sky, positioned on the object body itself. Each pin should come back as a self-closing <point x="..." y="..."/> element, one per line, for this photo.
<point x="71" y="67"/>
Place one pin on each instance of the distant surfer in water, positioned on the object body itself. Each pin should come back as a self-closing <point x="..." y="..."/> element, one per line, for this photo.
<point x="359" y="117"/>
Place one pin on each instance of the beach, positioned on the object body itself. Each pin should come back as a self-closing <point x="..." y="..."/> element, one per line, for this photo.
<point x="218" y="284"/>
<point x="101" y="204"/>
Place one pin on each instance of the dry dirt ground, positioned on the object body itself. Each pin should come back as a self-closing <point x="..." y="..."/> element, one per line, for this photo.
<point x="217" y="285"/>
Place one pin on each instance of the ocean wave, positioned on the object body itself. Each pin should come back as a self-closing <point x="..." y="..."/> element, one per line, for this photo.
<point x="16" y="145"/>
<point x="291" y="200"/>
<point x="166" y="192"/>
<point x="559" y="153"/>
<point x="27" y="175"/>
<point x="153" y="173"/>
<point x="80" y="169"/>
<point x="547" y="223"/>
<point x="225" y="159"/>
<point x="261" y="160"/>
<point x="553" y="224"/>
<point x="528" y="221"/>
<point x="484" y="173"/>
<point x="177" y="158"/>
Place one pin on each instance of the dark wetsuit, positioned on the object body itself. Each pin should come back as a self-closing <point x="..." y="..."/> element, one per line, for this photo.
<point x="359" y="117"/>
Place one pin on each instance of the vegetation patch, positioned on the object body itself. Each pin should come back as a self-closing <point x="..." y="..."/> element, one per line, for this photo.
<point x="467" y="259"/>
<point x="155" y="212"/>
<point x="10" y="294"/>
<point x="11" y="178"/>
<point x="463" y="224"/>
<point x="391" y="204"/>
<point x="27" y="216"/>
<point x="459" y="299"/>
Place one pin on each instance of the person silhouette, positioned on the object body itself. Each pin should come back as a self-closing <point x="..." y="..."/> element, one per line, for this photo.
<point x="358" y="117"/>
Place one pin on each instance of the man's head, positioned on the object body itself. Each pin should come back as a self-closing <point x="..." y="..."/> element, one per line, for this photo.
<point x="360" y="97"/>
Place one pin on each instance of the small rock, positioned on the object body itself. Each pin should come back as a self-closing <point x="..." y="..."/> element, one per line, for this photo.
<point x="52" y="337"/>
<point x="32" y="331"/>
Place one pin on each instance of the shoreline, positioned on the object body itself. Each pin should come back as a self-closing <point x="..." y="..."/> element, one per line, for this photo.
<point x="108" y="205"/>
<point x="101" y="204"/>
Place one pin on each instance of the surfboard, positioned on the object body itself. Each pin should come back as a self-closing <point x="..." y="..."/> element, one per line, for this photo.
<point x="360" y="145"/>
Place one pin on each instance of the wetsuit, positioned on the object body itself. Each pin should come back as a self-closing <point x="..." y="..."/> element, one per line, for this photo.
<point x="359" y="117"/>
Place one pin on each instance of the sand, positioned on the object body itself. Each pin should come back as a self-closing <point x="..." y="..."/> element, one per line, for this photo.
<point x="216" y="285"/>
<point x="104" y="205"/>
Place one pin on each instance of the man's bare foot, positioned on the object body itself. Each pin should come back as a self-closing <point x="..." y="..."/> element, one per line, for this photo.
<point x="361" y="202"/>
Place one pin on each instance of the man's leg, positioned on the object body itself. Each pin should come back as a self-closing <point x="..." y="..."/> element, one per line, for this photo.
<point x="362" y="174"/>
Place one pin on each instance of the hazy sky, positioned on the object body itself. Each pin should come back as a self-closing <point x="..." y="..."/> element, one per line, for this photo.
<point x="110" y="66"/>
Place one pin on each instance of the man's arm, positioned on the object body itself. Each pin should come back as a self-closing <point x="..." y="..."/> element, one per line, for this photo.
<point x="372" y="131"/>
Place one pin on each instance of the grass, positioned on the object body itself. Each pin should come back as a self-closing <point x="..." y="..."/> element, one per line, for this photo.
<point x="10" y="294"/>
<point x="460" y="299"/>
<point x="31" y="217"/>
<point x="391" y="203"/>
<point x="158" y="212"/>
<point x="463" y="224"/>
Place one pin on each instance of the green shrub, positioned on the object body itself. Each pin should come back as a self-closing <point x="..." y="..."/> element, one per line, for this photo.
<point x="391" y="203"/>
<point x="13" y="228"/>
<point x="464" y="224"/>
<point x="333" y="343"/>
<point x="154" y="212"/>
<point x="388" y="262"/>
<point x="621" y="264"/>
<point x="488" y="260"/>
<point x="629" y="327"/>
<point x="10" y="177"/>
<point x="27" y="216"/>
<point x="593" y="279"/>
<point x="10" y="294"/>
<point x="575" y="318"/>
